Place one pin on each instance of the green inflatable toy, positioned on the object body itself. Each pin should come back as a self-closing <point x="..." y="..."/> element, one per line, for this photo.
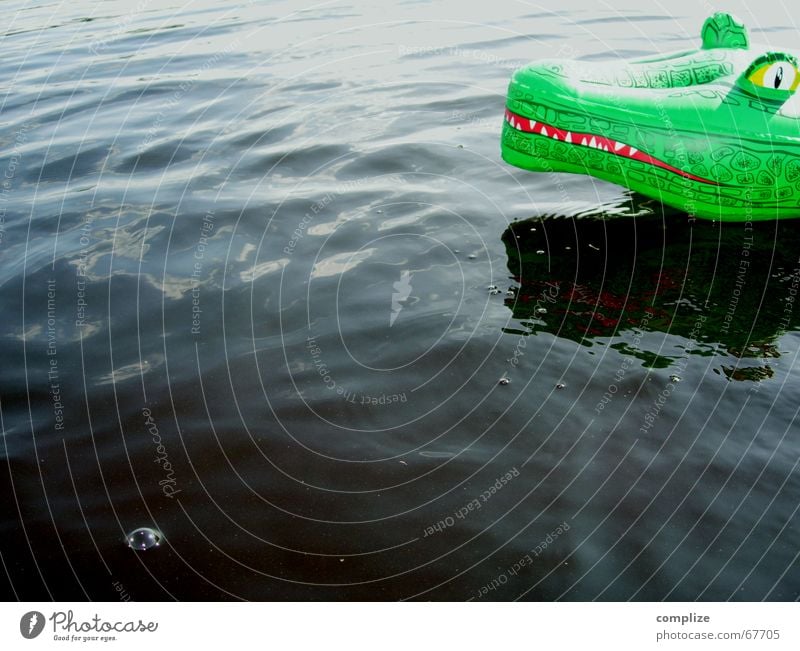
<point x="714" y="132"/>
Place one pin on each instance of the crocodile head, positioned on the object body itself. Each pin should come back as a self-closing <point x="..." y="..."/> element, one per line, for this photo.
<point x="714" y="131"/>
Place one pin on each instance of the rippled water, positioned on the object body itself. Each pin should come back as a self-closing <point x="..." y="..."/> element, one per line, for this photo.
<point x="263" y="272"/>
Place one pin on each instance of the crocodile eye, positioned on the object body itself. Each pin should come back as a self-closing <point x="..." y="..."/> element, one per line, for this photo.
<point x="775" y="75"/>
<point x="779" y="75"/>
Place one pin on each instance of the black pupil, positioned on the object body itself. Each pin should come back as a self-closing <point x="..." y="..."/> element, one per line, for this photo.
<point x="779" y="77"/>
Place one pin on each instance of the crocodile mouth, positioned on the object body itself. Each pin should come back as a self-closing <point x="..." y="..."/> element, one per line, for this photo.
<point x="595" y="141"/>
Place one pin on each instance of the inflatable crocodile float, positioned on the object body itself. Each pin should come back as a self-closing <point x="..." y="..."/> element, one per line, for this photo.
<point x="714" y="132"/>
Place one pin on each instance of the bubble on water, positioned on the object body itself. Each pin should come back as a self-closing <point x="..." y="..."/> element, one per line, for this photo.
<point x="560" y="385"/>
<point x="144" y="538"/>
<point x="504" y="381"/>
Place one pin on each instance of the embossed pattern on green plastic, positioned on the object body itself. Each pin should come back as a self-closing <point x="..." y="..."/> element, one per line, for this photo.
<point x="713" y="131"/>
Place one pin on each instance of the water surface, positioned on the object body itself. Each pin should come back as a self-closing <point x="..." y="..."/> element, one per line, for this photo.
<point x="268" y="288"/>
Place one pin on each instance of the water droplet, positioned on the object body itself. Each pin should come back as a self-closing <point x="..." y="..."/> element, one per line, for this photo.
<point x="504" y="381"/>
<point x="541" y="310"/>
<point x="472" y="256"/>
<point x="492" y="287"/>
<point x="560" y="385"/>
<point x="510" y="292"/>
<point x="494" y="291"/>
<point x="456" y="251"/>
<point x="540" y="252"/>
<point x="144" y="538"/>
<point x="674" y="379"/>
<point x="380" y="212"/>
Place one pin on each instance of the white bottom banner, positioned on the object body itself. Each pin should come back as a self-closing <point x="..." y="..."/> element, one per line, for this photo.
<point x="396" y="626"/>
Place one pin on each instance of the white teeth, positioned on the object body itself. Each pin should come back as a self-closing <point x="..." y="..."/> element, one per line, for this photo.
<point x="533" y="125"/>
<point x="584" y="142"/>
<point x="543" y="131"/>
<point x="593" y="142"/>
<point x="513" y="124"/>
<point x="555" y="136"/>
<point x="568" y="137"/>
<point x="633" y="150"/>
<point x="605" y="147"/>
<point x="618" y="146"/>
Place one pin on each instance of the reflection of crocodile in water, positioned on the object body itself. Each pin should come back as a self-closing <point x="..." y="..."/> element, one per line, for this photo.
<point x="729" y="287"/>
<point x="714" y="132"/>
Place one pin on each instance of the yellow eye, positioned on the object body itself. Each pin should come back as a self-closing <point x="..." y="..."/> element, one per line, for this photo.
<point x="779" y="75"/>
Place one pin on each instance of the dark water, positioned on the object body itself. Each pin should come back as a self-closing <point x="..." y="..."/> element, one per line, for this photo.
<point x="247" y="266"/>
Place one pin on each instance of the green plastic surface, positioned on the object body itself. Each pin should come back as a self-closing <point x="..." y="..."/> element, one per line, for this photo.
<point x="714" y="132"/>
